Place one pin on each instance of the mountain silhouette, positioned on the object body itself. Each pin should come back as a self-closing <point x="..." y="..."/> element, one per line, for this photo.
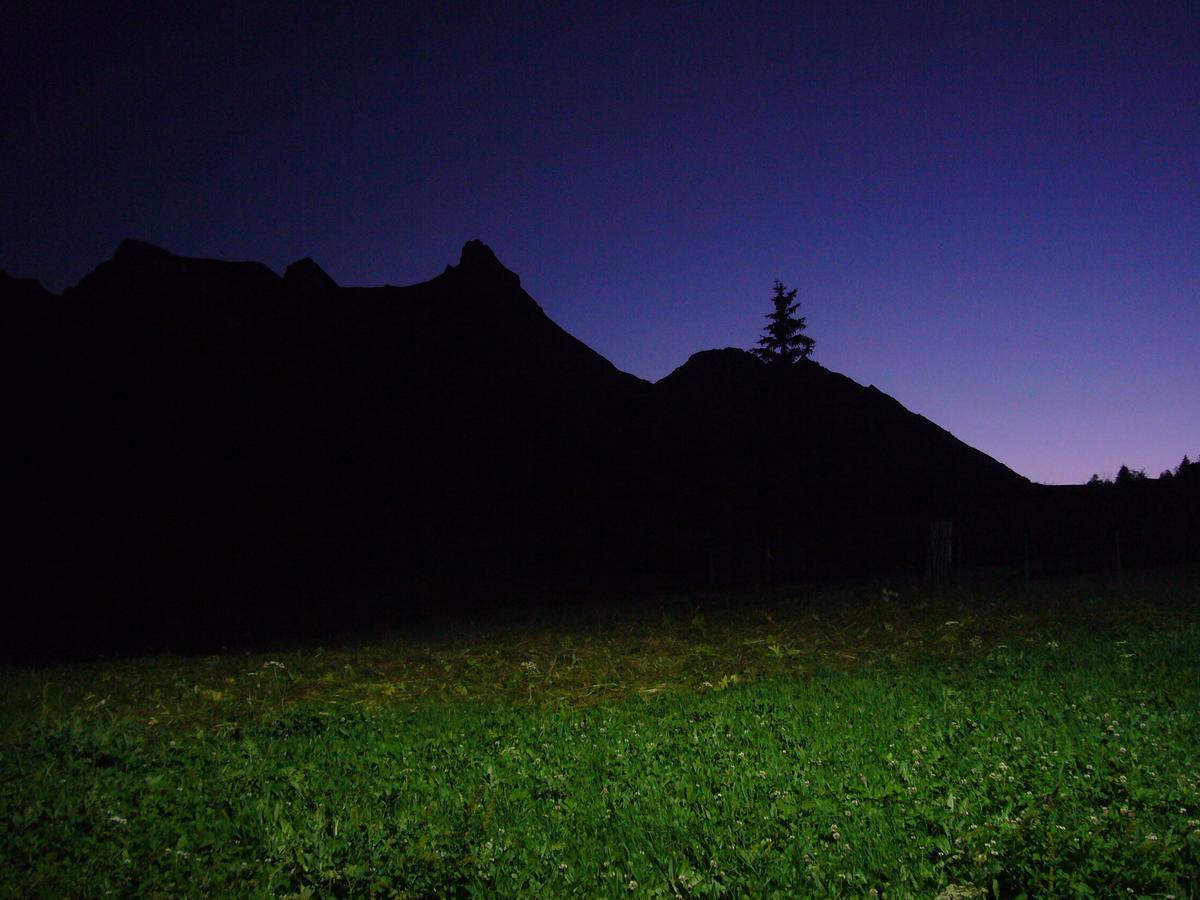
<point x="305" y="277"/>
<point x="840" y="476"/>
<point x="206" y="447"/>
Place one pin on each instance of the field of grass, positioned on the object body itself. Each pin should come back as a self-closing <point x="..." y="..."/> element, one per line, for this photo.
<point x="841" y="740"/>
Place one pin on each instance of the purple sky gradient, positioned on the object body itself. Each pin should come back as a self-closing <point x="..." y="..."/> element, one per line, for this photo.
<point x="992" y="213"/>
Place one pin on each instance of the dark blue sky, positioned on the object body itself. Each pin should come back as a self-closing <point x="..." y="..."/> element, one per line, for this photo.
<point x="991" y="212"/>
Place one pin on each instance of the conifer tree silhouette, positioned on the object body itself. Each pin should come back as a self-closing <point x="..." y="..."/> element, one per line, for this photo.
<point x="783" y="342"/>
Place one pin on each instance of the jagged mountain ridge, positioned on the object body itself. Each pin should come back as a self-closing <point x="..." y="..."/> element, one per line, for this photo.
<point x="184" y="414"/>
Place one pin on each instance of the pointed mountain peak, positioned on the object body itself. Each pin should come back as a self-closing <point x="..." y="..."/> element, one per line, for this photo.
<point x="479" y="264"/>
<point x="476" y="254"/>
<point x="306" y="275"/>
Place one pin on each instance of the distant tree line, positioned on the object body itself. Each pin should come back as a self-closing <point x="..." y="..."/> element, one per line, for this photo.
<point x="1187" y="471"/>
<point x="1116" y="524"/>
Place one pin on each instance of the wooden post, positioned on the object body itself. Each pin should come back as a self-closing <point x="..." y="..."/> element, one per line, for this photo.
<point x="1117" y="539"/>
<point x="941" y="549"/>
<point x="1026" y="560"/>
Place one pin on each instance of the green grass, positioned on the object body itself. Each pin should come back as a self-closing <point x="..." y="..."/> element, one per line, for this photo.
<point x="974" y="742"/>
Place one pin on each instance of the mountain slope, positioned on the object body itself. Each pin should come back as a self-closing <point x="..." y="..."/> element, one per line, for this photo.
<point x="216" y="433"/>
<point x="804" y="457"/>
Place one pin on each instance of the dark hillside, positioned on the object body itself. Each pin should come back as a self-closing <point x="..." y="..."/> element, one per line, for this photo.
<point x="207" y="450"/>
<point x="206" y="441"/>
<point x="1053" y="529"/>
<point x="809" y="460"/>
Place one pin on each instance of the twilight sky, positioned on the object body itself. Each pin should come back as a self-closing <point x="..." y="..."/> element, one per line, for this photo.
<point x="992" y="212"/>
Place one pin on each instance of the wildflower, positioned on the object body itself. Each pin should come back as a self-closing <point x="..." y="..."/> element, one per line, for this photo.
<point x="632" y="885"/>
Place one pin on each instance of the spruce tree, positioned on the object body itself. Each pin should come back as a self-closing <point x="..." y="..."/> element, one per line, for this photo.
<point x="783" y="342"/>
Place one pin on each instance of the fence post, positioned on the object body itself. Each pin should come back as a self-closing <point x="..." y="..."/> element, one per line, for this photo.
<point x="1026" y="560"/>
<point x="941" y="549"/>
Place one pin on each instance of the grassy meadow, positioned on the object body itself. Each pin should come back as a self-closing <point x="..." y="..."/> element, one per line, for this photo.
<point x="853" y="739"/>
